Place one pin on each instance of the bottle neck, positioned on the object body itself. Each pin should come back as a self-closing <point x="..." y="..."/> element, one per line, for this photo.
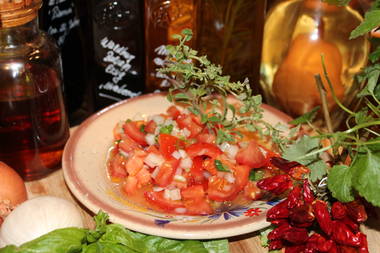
<point x="14" y="36"/>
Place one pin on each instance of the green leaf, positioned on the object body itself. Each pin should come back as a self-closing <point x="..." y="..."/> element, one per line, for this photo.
<point x="339" y="182"/>
<point x="255" y="175"/>
<point x="371" y="21"/>
<point x="366" y="173"/>
<point x="375" y="55"/>
<point x="166" y="129"/>
<point x="220" y="167"/>
<point x="300" y="152"/>
<point x="142" y="128"/>
<point x="307" y="117"/>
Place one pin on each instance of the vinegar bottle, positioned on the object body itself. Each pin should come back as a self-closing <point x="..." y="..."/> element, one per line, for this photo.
<point x="33" y="123"/>
<point x="230" y="32"/>
<point x="163" y="19"/>
<point x="296" y="35"/>
<point x="116" y="39"/>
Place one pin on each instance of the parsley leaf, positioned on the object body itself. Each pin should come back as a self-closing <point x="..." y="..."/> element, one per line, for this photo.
<point x="306" y="152"/>
<point x="371" y="21"/>
<point x="220" y="167"/>
<point x="166" y="129"/>
<point x="307" y="117"/>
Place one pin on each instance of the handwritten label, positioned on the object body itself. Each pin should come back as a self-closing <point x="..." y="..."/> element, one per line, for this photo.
<point x="118" y="60"/>
<point x="62" y="19"/>
<point x="159" y="62"/>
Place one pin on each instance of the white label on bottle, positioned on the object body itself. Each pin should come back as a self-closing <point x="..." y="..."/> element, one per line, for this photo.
<point x="118" y="60"/>
<point x="159" y="62"/>
<point x="62" y="19"/>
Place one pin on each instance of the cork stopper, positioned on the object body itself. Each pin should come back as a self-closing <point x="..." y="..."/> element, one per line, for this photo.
<point x="18" y="12"/>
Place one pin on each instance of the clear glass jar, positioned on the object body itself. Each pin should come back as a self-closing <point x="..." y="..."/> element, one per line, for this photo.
<point x="296" y="34"/>
<point x="33" y="122"/>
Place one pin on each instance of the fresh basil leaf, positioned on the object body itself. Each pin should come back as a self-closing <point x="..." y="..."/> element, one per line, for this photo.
<point x="366" y="173"/>
<point x="220" y="167"/>
<point x="339" y="182"/>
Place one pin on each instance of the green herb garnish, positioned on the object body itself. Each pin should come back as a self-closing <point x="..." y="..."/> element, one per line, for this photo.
<point x="166" y="129"/>
<point x="142" y="128"/>
<point x="220" y="166"/>
<point x="256" y="175"/>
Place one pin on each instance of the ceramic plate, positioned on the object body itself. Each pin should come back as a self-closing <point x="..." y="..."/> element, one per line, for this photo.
<point x="84" y="167"/>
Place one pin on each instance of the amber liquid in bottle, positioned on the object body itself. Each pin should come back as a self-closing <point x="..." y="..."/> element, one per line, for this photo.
<point x="163" y="19"/>
<point x="33" y="122"/>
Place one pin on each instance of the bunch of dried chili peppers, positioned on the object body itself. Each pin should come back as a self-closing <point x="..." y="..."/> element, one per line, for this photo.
<point x="304" y="224"/>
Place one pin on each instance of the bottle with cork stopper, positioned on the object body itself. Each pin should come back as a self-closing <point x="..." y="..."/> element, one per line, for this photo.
<point x="33" y="122"/>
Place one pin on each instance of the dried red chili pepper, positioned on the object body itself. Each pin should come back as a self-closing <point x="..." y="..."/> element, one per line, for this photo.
<point x="363" y="243"/>
<point x="323" y="216"/>
<point x="347" y="249"/>
<point x="279" y="211"/>
<point x="351" y="224"/>
<point x="296" y="236"/>
<point x="295" y="249"/>
<point x="302" y="216"/>
<point x="283" y="164"/>
<point x="294" y="197"/>
<point x="338" y="210"/>
<point x="279" y="222"/>
<point x="278" y="233"/>
<point x="308" y="194"/>
<point x="277" y="184"/>
<point x="275" y="244"/>
<point x="356" y="211"/>
<point x="318" y="242"/>
<point x="343" y="235"/>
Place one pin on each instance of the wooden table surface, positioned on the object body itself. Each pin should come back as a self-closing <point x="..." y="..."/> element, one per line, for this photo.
<point x="54" y="185"/>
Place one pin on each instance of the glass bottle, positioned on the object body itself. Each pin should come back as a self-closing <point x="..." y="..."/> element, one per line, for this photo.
<point x="33" y="123"/>
<point x="60" y="19"/>
<point x="163" y="19"/>
<point x="116" y="36"/>
<point x="230" y="32"/>
<point x="296" y="34"/>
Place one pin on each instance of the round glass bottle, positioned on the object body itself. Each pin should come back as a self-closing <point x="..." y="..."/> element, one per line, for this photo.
<point x="33" y="122"/>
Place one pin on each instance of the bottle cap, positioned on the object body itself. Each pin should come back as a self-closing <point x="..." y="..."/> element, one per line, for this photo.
<point x="18" y="12"/>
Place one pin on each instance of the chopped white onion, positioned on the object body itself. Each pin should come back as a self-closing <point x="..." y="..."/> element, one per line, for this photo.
<point x="155" y="172"/>
<point x="167" y="194"/>
<point x="183" y="153"/>
<point x="154" y="160"/>
<point x="123" y="153"/>
<point x="174" y="194"/>
<point x="230" y="178"/>
<point x="176" y="155"/>
<point x="186" y="163"/>
<point x="206" y="174"/>
<point x="178" y="171"/>
<point x="232" y="151"/>
<point x="157" y="188"/>
<point x="179" y="178"/>
<point x="186" y="132"/>
<point x="150" y="139"/>
<point x="169" y="122"/>
<point x="158" y="119"/>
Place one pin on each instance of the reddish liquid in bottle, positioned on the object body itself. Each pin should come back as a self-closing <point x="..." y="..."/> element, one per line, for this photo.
<point x="33" y="123"/>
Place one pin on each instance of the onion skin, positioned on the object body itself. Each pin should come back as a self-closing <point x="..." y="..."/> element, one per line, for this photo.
<point x="12" y="190"/>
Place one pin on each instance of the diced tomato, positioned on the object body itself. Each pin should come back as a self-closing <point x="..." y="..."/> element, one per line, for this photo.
<point x="117" y="166"/>
<point x="209" y="166"/>
<point x="133" y="131"/>
<point x="197" y="170"/>
<point x="185" y="121"/>
<point x="193" y="192"/>
<point x="127" y="144"/>
<point x="198" y="207"/>
<point x="157" y="199"/>
<point x="241" y="174"/>
<point x="166" y="172"/>
<point x="150" y="127"/>
<point x="251" y="191"/>
<point x="206" y="136"/>
<point x="135" y="162"/>
<point x="219" y="189"/>
<point x="143" y="176"/>
<point x="130" y="186"/>
<point x="153" y="149"/>
<point x="168" y="144"/>
<point x="201" y="149"/>
<point x="251" y="156"/>
<point x="173" y="112"/>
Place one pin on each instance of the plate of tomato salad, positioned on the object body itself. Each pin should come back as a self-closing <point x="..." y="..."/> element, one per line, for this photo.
<point x="154" y="168"/>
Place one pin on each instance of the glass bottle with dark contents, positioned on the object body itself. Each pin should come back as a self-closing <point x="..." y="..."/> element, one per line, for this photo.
<point x="33" y="123"/>
<point x="117" y="41"/>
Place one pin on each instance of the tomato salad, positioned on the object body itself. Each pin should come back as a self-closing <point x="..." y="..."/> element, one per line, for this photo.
<point x="171" y="163"/>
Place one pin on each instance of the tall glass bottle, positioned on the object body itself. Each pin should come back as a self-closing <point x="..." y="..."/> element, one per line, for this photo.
<point x="59" y="18"/>
<point x="296" y="34"/>
<point x="33" y="123"/>
<point x="117" y="58"/>
<point x="164" y="18"/>
<point x="230" y="33"/>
